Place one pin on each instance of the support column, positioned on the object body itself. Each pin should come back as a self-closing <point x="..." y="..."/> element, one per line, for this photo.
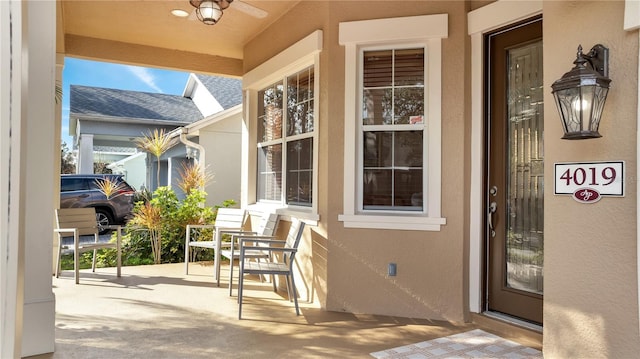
<point x="85" y="154"/>
<point x="57" y="133"/>
<point x="12" y="108"/>
<point x="27" y="84"/>
<point x="171" y="166"/>
<point x="39" y="182"/>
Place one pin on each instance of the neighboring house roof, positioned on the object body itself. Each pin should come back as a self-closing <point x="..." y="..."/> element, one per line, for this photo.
<point x="227" y="91"/>
<point x="99" y="101"/>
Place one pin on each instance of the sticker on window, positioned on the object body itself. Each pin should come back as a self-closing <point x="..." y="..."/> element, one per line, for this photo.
<point x="415" y="119"/>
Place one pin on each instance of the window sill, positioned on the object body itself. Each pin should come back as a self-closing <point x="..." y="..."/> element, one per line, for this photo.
<point x="392" y="222"/>
<point x="305" y="215"/>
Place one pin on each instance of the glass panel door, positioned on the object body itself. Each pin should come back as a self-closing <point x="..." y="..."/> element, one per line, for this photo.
<point x="525" y="180"/>
<point x="514" y="221"/>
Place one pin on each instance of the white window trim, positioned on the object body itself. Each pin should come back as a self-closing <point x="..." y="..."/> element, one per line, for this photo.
<point x="479" y="22"/>
<point x="297" y="57"/>
<point x="427" y="30"/>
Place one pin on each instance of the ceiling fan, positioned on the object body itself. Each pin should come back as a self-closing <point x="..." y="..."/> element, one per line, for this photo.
<point x="210" y="11"/>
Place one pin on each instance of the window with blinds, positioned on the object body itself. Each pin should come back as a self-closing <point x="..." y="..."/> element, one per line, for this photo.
<point x="393" y="110"/>
<point x="295" y="188"/>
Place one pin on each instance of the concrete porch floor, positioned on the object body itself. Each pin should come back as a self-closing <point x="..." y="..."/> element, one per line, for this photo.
<point x="159" y="312"/>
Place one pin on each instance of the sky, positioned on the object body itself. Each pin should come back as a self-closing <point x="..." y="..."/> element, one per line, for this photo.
<point x="115" y="76"/>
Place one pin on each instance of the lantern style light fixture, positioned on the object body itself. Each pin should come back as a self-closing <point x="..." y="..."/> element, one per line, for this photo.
<point x="580" y="94"/>
<point x="210" y="11"/>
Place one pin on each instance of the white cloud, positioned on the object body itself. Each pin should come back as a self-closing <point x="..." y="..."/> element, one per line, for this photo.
<point x="144" y="75"/>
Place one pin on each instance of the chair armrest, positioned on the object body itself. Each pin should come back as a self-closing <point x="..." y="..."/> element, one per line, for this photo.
<point x="228" y="229"/>
<point x="66" y="233"/>
<point x="189" y="226"/>
<point x="236" y="232"/>
<point x="270" y="249"/>
<point x="259" y="240"/>
<point x="255" y="237"/>
<point x="65" y="230"/>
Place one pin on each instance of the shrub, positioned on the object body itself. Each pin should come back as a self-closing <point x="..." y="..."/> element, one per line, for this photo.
<point x="156" y="234"/>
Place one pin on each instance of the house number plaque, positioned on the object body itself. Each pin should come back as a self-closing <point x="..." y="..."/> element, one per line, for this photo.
<point x="588" y="182"/>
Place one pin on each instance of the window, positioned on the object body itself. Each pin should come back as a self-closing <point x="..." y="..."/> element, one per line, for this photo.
<point x="392" y="126"/>
<point x="296" y="136"/>
<point x="282" y="131"/>
<point x="270" y="143"/>
<point x="392" y="122"/>
<point x="73" y="184"/>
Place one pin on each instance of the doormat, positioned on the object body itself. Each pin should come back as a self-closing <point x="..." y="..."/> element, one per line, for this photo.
<point x="473" y="344"/>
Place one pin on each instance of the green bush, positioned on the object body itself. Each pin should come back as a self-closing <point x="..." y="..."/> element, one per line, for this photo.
<point x="175" y="215"/>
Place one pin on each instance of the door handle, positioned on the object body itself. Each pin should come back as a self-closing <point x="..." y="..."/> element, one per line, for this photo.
<point x="492" y="209"/>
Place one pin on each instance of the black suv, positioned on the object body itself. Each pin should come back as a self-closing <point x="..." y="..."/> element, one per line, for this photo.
<point x="77" y="191"/>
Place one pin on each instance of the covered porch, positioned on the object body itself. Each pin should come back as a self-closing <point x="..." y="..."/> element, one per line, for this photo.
<point x="157" y="311"/>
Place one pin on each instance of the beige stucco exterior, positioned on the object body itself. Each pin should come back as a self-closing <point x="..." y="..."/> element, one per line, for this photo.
<point x="354" y="277"/>
<point x="591" y="252"/>
<point x="591" y="290"/>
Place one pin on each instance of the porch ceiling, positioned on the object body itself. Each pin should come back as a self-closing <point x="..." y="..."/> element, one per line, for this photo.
<point x="144" y="32"/>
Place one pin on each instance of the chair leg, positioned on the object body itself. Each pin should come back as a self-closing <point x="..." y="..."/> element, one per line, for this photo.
<point x="95" y="252"/>
<point x="58" y="264"/>
<point x="295" y="295"/>
<point x="119" y="253"/>
<point x="186" y="251"/>
<point x="240" y="285"/>
<point x="76" y="258"/>
<point x="76" y="268"/>
<point x="286" y="279"/>
<point x="231" y="274"/>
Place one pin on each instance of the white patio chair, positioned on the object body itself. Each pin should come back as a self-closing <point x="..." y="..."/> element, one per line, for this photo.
<point x="76" y="222"/>
<point x="280" y="261"/>
<point x="228" y="220"/>
<point x="266" y="230"/>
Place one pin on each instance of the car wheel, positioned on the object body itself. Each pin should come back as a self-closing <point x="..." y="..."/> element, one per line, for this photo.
<point x="104" y="221"/>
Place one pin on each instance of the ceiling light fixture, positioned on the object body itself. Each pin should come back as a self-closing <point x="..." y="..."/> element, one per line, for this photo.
<point x="210" y="11"/>
<point x="179" y="13"/>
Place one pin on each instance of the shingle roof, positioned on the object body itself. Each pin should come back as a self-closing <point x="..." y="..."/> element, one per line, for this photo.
<point x="132" y="104"/>
<point x="226" y="90"/>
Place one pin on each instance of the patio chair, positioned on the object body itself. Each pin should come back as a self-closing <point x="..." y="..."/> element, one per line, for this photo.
<point x="266" y="230"/>
<point x="286" y="251"/>
<point x="76" y="222"/>
<point x="228" y="220"/>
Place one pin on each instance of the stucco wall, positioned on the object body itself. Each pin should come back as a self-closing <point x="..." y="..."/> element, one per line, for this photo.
<point x="350" y="265"/>
<point x="591" y="288"/>
<point x="295" y="25"/>
<point x="429" y="281"/>
<point x="591" y="306"/>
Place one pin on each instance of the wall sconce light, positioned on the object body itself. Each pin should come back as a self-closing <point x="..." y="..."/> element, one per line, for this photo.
<point x="210" y="11"/>
<point x="580" y="94"/>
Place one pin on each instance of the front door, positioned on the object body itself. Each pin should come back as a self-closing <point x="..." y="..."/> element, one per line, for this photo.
<point x="515" y="182"/>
